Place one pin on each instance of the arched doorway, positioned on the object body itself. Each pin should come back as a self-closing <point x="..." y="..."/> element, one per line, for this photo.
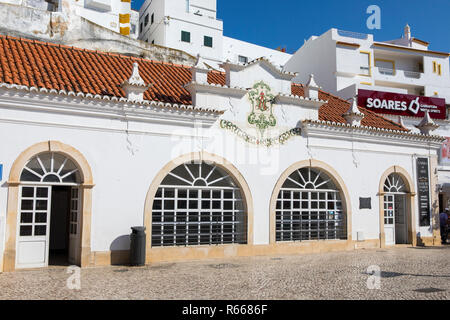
<point x="396" y="193"/>
<point x="395" y="215"/>
<point x="49" y="207"/>
<point x="198" y="206"/>
<point x="310" y="202"/>
<point x="49" y="217"/>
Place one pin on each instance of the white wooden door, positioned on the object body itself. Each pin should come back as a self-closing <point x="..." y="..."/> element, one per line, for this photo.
<point x="389" y="219"/>
<point x="74" y="227"/>
<point x="33" y="226"/>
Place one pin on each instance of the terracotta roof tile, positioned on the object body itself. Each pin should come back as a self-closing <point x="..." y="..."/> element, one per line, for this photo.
<point x="46" y="65"/>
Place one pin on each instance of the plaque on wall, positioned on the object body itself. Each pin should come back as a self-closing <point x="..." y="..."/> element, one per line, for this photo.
<point x="365" y="203"/>
<point x="423" y="192"/>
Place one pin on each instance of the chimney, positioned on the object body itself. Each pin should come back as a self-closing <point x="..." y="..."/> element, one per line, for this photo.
<point x="135" y="86"/>
<point x="427" y="124"/>
<point x="199" y="71"/>
<point x="353" y="116"/>
<point x="311" y="88"/>
<point x="407" y="35"/>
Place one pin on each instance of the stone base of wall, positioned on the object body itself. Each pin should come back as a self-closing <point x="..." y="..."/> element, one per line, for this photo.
<point x="428" y="241"/>
<point x="229" y="251"/>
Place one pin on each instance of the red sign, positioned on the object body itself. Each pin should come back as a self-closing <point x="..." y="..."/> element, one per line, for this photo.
<point x="401" y="104"/>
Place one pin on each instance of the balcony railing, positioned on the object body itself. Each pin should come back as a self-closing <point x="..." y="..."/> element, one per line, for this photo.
<point x="350" y="34"/>
<point x="413" y="74"/>
<point x="398" y="75"/>
<point x="386" y="71"/>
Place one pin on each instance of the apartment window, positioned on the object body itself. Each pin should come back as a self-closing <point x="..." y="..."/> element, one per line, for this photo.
<point x="185" y="36"/>
<point x="208" y="41"/>
<point x="243" y="59"/>
<point x="133" y="28"/>
<point x="364" y="63"/>
<point x="187" y="5"/>
<point x="386" y="67"/>
<point x="439" y="69"/>
<point x="146" y="20"/>
<point x="153" y="41"/>
<point x="153" y="18"/>
<point x="140" y="28"/>
<point x="434" y="66"/>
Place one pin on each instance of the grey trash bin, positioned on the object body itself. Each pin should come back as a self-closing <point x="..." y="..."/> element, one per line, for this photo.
<point x="137" y="246"/>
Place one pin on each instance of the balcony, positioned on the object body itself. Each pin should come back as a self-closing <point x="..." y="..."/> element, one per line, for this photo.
<point x="398" y="76"/>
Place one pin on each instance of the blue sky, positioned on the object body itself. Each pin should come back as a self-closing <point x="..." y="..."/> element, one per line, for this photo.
<point x="286" y="23"/>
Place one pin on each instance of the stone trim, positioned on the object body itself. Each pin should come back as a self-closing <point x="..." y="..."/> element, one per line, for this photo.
<point x="200" y="250"/>
<point x="9" y="256"/>
<point x="410" y="204"/>
<point x="335" y="177"/>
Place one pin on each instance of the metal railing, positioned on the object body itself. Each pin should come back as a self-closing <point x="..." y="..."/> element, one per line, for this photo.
<point x="351" y="34"/>
<point x="413" y="74"/>
<point x="386" y="71"/>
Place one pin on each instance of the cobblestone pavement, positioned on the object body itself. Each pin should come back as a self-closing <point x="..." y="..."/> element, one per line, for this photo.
<point x="338" y="275"/>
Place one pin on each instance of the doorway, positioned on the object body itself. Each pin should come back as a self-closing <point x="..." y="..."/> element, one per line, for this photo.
<point x="59" y="226"/>
<point x="395" y="219"/>
<point x="48" y="226"/>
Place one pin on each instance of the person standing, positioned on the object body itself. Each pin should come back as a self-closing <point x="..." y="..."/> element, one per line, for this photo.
<point x="443" y="219"/>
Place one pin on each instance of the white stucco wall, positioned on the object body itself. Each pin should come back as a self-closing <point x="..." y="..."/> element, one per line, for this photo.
<point x="124" y="164"/>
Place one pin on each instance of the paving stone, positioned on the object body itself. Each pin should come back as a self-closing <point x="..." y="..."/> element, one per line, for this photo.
<point x="406" y="273"/>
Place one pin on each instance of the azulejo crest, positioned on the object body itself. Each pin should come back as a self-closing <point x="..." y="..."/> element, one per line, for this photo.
<point x="261" y="116"/>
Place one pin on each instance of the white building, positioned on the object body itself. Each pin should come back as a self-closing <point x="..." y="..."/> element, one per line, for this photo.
<point x="402" y="70"/>
<point x="213" y="164"/>
<point x="115" y="15"/>
<point x="192" y="26"/>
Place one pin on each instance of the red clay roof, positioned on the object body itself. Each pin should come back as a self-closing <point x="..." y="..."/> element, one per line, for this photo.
<point x="46" y="65"/>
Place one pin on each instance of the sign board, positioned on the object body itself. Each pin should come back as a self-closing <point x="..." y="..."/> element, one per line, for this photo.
<point x="401" y="104"/>
<point x="365" y="203"/>
<point x="445" y="152"/>
<point x="423" y="194"/>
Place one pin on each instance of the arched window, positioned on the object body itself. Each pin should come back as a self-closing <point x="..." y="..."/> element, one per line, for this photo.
<point x="395" y="184"/>
<point x="198" y="204"/>
<point x="51" y="168"/>
<point x="309" y="207"/>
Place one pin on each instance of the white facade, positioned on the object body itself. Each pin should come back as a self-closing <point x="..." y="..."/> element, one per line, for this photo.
<point x="108" y="14"/>
<point x="114" y="15"/>
<point x="128" y="144"/>
<point x="347" y="61"/>
<point x="163" y="21"/>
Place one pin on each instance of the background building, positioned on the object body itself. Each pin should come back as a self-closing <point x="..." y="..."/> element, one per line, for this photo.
<point x="402" y="70"/>
<point x="115" y="15"/>
<point x="192" y="26"/>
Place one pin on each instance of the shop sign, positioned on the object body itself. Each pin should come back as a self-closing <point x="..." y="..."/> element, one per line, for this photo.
<point x="401" y="104"/>
<point x="423" y="194"/>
